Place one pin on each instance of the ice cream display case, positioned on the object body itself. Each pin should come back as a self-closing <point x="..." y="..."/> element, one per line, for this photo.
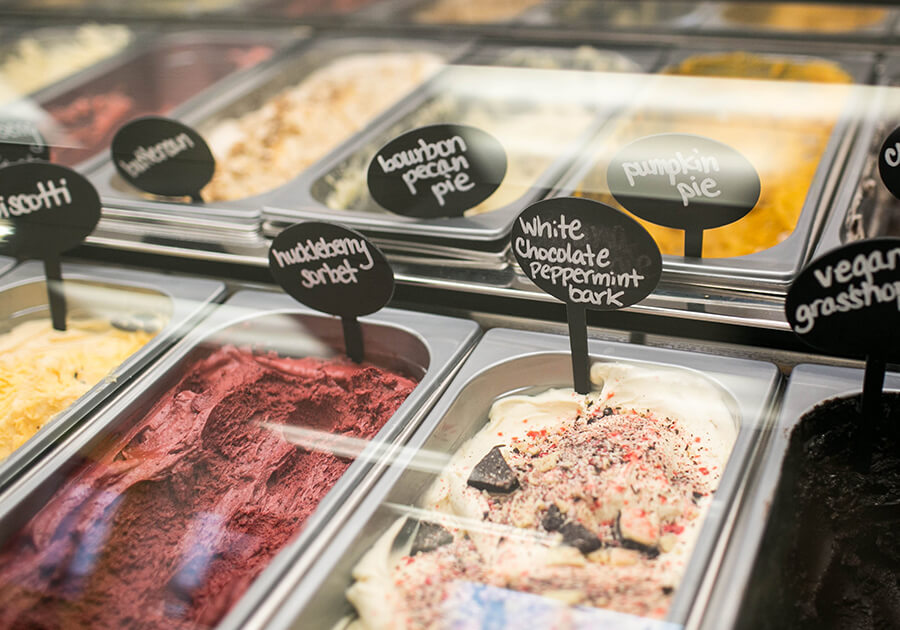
<point x="265" y="407"/>
<point x="238" y="471"/>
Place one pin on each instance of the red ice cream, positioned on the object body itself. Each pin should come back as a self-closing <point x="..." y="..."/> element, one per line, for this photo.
<point x="173" y="517"/>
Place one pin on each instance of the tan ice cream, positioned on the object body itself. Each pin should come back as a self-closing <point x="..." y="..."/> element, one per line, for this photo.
<point x="268" y="147"/>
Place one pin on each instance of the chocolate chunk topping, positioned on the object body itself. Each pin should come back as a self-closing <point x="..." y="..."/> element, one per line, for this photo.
<point x="493" y="474"/>
<point x="429" y="537"/>
<point x="553" y="519"/>
<point x="649" y="551"/>
<point x="608" y="411"/>
<point x="667" y="590"/>
<point x="580" y="537"/>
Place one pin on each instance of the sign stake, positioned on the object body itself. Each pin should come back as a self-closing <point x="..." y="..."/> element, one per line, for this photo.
<point x="581" y="364"/>
<point x="353" y="339"/>
<point x="56" y="296"/>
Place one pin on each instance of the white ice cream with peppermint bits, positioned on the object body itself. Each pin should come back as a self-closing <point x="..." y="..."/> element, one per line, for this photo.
<point x="631" y="467"/>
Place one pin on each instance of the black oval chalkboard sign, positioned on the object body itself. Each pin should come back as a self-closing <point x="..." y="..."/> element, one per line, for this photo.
<point x="437" y="171"/>
<point x="587" y="253"/>
<point x="163" y="157"/>
<point x="45" y="209"/>
<point x="847" y="302"/>
<point x="331" y="269"/>
<point x="21" y="141"/>
<point x="889" y="162"/>
<point x="683" y="181"/>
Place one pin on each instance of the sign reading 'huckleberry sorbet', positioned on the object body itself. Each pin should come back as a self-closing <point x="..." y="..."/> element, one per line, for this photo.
<point x="437" y="171"/>
<point x="334" y="270"/>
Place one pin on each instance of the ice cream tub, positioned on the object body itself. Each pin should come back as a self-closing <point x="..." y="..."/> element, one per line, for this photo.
<point x="862" y="206"/>
<point x="33" y="59"/>
<point x="199" y="443"/>
<point x="764" y="250"/>
<point x="537" y="101"/>
<point x="272" y="90"/>
<point x="157" y="307"/>
<point x="805" y="19"/>
<point x="809" y="386"/>
<point x="510" y="368"/>
<point x="153" y="80"/>
<point x="6" y="263"/>
<point x="654" y="15"/>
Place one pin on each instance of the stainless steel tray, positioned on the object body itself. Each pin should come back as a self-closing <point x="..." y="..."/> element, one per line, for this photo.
<point x="770" y="270"/>
<point x="47" y="34"/>
<point x="238" y="98"/>
<point x="170" y="71"/>
<point x="808" y="386"/>
<point x="103" y="292"/>
<point x="428" y="346"/>
<point x="651" y="15"/>
<point x="862" y="207"/>
<point x="311" y="595"/>
<point x="304" y="198"/>
<point x="718" y="20"/>
<point x="6" y="264"/>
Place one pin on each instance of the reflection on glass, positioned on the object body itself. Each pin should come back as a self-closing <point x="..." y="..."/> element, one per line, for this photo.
<point x="181" y="505"/>
<point x="781" y="121"/>
<point x="590" y="501"/>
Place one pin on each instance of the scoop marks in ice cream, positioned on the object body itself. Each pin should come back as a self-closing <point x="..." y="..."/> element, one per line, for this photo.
<point x="170" y="520"/>
<point x="593" y="500"/>
<point x="43" y="371"/>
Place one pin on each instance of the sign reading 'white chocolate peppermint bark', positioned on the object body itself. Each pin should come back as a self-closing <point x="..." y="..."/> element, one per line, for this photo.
<point x="163" y="156"/>
<point x="588" y="255"/>
<point x="20" y="141"/>
<point x="334" y="270"/>
<point x="437" y="171"/>
<point x="685" y="182"/>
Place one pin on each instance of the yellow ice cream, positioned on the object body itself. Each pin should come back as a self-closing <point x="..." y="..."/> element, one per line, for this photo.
<point x="43" y="371"/>
<point x="822" y="18"/>
<point x="268" y="147"/>
<point x="468" y="12"/>
<point x="766" y="121"/>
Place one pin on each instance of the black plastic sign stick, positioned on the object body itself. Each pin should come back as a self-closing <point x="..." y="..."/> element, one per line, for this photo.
<point x="20" y="141"/>
<point x="889" y="163"/>
<point x="588" y="255"/>
<point x="333" y="270"/>
<point x="685" y="182"/>
<point x="437" y="171"/>
<point x="163" y="157"/>
<point x="847" y="303"/>
<point x="45" y="210"/>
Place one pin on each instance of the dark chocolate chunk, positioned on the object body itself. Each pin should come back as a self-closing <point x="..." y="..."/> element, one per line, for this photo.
<point x="493" y="474"/>
<point x="580" y="537"/>
<point x="429" y="537"/>
<point x="553" y="519"/>
<point x="667" y="590"/>
<point x="608" y="411"/>
<point x="650" y="552"/>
